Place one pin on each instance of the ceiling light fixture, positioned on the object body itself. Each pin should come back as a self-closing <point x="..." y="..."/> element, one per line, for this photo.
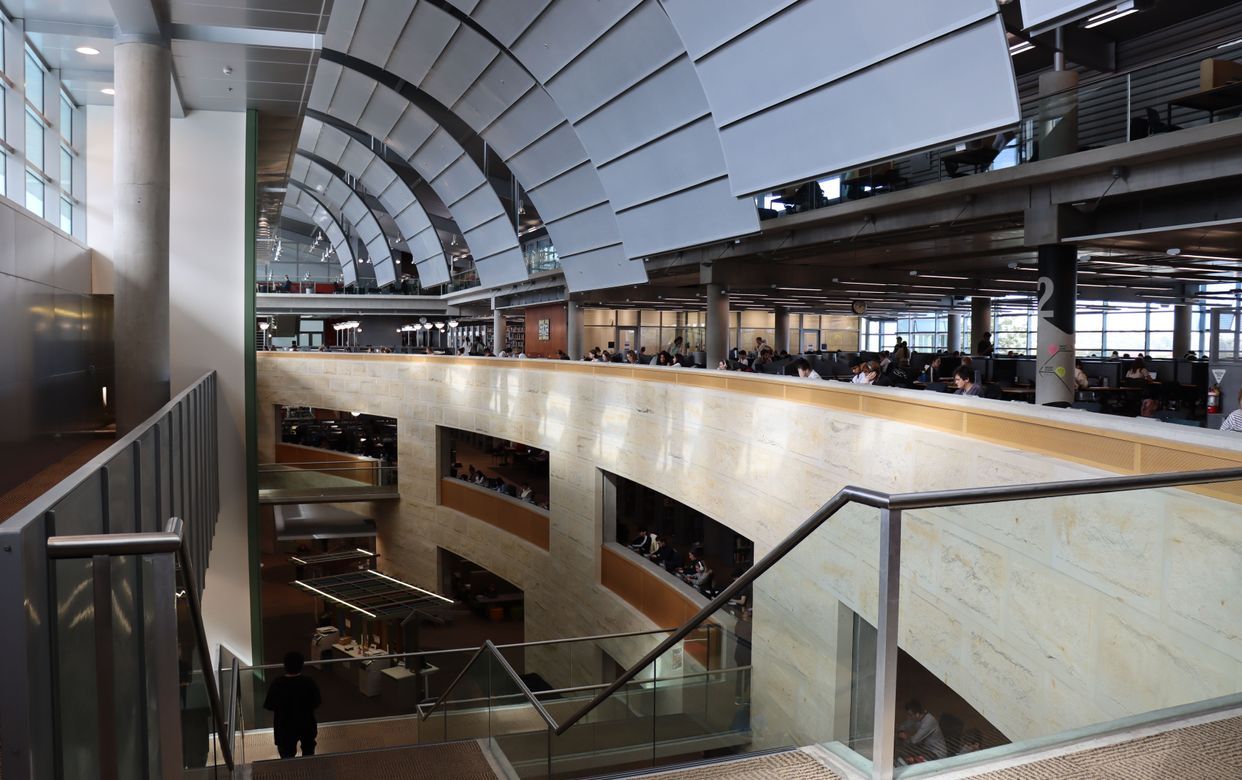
<point x="1120" y="11"/>
<point x="108" y="91"/>
<point x="89" y="51"/>
<point x="1018" y="48"/>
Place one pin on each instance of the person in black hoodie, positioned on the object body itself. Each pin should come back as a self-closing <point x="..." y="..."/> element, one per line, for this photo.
<point x="897" y="375"/>
<point x="293" y="700"/>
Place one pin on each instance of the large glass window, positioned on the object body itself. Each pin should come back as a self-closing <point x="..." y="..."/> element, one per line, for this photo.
<point x="66" y="171"/>
<point x="34" y="140"/>
<point x="66" y="215"/>
<point x="66" y="119"/>
<point x="34" y="192"/>
<point x="34" y="80"/>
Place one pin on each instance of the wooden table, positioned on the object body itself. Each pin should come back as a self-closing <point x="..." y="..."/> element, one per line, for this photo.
<point x="1209" y="100"/>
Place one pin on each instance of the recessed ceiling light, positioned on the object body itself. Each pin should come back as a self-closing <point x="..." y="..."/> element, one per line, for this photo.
<point x="90" y="51"/>
<point x="108" y="91"/>
<point x="1174" y="251"/>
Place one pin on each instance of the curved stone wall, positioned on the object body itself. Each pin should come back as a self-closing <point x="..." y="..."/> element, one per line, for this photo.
<point x="1044" y="615"/>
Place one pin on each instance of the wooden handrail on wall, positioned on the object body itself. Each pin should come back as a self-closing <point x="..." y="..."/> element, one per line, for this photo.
<point x="523" y="520"/>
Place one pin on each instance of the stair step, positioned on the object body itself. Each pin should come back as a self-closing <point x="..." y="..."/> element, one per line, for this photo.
<point x="449" y="761"/>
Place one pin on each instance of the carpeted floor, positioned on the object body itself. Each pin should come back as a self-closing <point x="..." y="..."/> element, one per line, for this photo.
<point x="454" y="761"/>
<point x="1209" y="751"/>
<point x="791" y="765"/>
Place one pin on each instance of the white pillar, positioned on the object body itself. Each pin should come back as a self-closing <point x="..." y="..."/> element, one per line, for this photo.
<point x="717" y="324"/>
<point x="140" y="177"/>
<point x="781" y="341"/>
<point x="980" y="322"/>
<point x="575" y="336"/>
<point x="955" y="332"/>
<point x="498" y="330"/>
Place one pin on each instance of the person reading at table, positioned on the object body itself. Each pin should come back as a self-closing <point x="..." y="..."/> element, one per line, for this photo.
<point x="1138" y="370"/>
<point x="964" y="379"/>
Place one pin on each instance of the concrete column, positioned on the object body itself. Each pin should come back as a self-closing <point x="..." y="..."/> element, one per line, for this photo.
<point x="1058" y="113"/>
<point x="980" y="322"/>
<point x="575" y="336"/>
<point x="781" y="341"/>
<point x="498" y="330"/>
<point x="717" y="324"/>
<point x="1058" y="295"/>
<point x="140" y="230"/>
<point x="1182" y="326"/>
<point x="955" y="332"/>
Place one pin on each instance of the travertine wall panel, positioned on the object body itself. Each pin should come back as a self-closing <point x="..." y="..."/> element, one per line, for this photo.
<point x="1045" y="615"/>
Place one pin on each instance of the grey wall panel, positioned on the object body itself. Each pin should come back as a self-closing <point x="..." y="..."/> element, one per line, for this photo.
<point x="967" y="90"/>
<point x="552" y="155"/>
<point x="507" y="267"/>
<point x="689" y="156"/>
<point x="687" y="218"/>
<point x="436" y="154"/>
<point x="466" y="6"/>
<point x="600" y="268"/>
<point x="353" y="92"/>
<point x="432" y="29"/>
<point x="505" y="19"/>
<point x="432" y="273"/>
<point x="339" y="194"/>
<point x="478" y="207"/>
<point x="564" y="30"/>
<point x="462" y="179"/>
<point x="501" y="85"/>
<point x="628" y="53"/>
<point x="382" y="112"/>
<point x="588" y="229"/>
<point x="662" y="103"/>
<point x="395" y="195"/>
<point x="531" y="117"/>
<point x="411" y="132"/>
<point x="491" y="237"/>
<point x="299" y="169"/>
<point x="73" y="266"/>
<point x="309" y="134"/>
<point x="342" y="23"/>
<point x="327" y="75"/>
<point x="572" y="191"/>
<point x="846" y="38"/>
<point x="330" y="147"/>
<point x="8" y="247"/>
<point x="705" y="24"/>
<point x="36" y="250"/>
<point x="379" y="26"/>
<point x="460" y="64"/>
<point x="424" y="246"/>
<point x="357" y="160"/>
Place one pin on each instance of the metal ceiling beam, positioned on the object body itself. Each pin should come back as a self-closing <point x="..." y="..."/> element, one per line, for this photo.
<point x="68" y="29"/>
<point x="248" y="36"/>
<point x="137" y="18"/>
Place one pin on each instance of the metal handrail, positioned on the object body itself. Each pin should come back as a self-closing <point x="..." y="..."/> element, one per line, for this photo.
<point x="898" y="502"/>
<point x="171" y="540"/>
<point x="488" y="647"/>
<point x="234" y="697"/>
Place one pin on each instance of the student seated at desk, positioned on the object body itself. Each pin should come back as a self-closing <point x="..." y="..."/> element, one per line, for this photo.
<point x="868" y="372"/>
<point x="964" y="379"/>
<point x="804" y="369"/>
<point x="1138" y="370"/>
<point x="1234" y="421"/>
<point x="1080" y="376"/>
<point x="641" y="544"/>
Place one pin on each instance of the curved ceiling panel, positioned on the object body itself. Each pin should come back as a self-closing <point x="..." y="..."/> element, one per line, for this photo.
<point x="941" y="71"/>
<point x="493" y="94"/>
<point x="300" y="200"/>
<point x="435" y="155"/>
<point x="338" y="147"/>
<point x="338" y="194"/>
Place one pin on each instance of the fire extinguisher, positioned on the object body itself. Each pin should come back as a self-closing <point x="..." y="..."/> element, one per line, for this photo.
<point x="1213" y="404"/>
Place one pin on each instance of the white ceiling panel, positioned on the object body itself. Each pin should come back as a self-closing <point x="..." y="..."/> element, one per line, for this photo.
<point x="500" y="86"/>
<point x="590" y="229"/>
<point x="550" y="156"/>
<point x="382" y="112"/>
<point x="506" y="267"/>
<point x="492" y="237"/>
<point x="640" y="43"/>
<point x="571" y="191"/>
<point x="461" y="179"/>
<point x="352" y="94"/>
<point x="411" y="131"/>
<point x="846" y="38"/>
<point x="564" y="30"/>
<point x="957" y="87"/>
<point x="378" y="28"/>
<point x="602" y="268"/>
<point x="342" y="23"/>
<point x="705" y="24"/>
<point x="422" y="41"/>
<point x="505" y="19"/>
<point x="463" y="60"/>
<point x="695" y="216"/>
<point x="689" y="156"/>
<point x="531" y="117"/>
<point x="666" y="101"/>
<point x="432" y="273"/>
<point x="437" y="153"/>
<point x="477" y="207"/>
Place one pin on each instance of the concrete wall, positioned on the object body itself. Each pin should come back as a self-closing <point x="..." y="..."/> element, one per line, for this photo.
<point x="1044" y="615"/>
<point x="207" y="292"/>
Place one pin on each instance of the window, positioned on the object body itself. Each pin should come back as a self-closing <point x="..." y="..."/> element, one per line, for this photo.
<point x="34" y="80"/>
<point x="66" y="171"/>
<point x="66" y="119"/>
<point x="66" y="216"/>
<point x="34" y="192"/>
<point x="34" y="140"/>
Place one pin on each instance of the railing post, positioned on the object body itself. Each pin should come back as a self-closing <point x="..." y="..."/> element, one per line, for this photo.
<point x="105" y="672"/>
<point x="167" y="676"/>
<point x="883" y="734"/>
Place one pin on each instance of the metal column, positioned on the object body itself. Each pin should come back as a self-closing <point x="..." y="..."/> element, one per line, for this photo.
<point x="717" y="324"/>
<point x="1058" y="295"/>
